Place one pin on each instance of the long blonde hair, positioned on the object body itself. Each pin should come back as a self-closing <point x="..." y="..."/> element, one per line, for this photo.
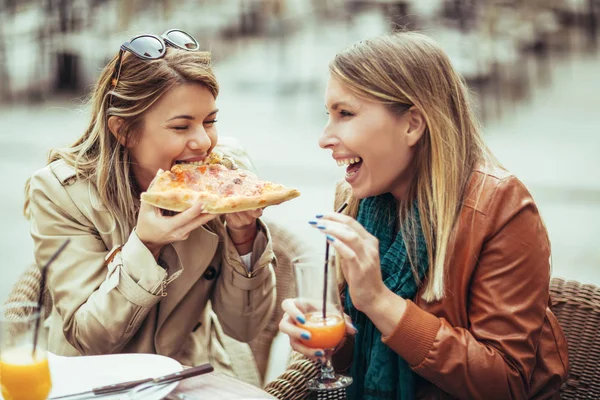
<point x="406" y="69"/>
<point x="98" y="156"/>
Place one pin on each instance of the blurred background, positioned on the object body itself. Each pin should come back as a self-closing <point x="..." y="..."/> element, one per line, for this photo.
<point x="533" y="67"/>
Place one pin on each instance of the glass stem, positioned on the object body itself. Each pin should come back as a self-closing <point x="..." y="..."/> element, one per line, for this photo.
<point x="327" y="372"/>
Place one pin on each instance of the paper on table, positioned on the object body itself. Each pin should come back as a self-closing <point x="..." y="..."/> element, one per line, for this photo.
<point x="78" y="374"/>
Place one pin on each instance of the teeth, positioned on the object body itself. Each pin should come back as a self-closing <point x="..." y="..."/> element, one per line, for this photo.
<point x="191" y="163"/>
<point x="348" y="161"/>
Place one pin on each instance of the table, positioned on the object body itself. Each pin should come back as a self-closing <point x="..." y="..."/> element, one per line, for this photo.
<point x="216" y="386"/>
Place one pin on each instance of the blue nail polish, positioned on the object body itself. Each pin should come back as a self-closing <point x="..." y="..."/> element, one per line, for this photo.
<point x="330" y="238"/>
<point x="300" y="319"/>
<point x="319" y="216"/>
<point x="319" y="353"/>
<point x="321" y="226"/>
<point x="312" y="222"/>
<point x="305" y="336"/>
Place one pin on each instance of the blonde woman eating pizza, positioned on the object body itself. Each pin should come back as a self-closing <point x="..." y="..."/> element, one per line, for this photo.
<point x="444" y="257"/>
<point x="134" y="278"/>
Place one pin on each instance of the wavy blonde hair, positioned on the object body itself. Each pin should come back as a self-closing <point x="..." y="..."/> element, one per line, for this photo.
<point x="405" y="69"/>
<point x="98" y="156"/>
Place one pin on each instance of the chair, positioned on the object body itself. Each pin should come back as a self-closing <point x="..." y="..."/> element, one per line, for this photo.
<point x="286" y="246"/>
<point x="577" y="308"/>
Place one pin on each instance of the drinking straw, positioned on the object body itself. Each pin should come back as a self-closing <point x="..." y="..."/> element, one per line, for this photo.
<point x="339" y="210"/>
<point x="41" y="293"/>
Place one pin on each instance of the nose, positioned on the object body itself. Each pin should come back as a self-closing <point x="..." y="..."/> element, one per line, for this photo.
<point x="200" y="140"/>
<point x="328" y="138"/>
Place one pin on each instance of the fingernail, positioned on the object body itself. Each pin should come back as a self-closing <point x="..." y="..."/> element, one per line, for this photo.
<point x="355" y="329"/>
<point x="330" y="238"/>
<point x="300" y="319"/>
<point x="305" y="336"/>
<point x="319" y="353"/>
<point x="312" y="222"/>
<point x="319" y="216"/>
<point x="321" y="226"/>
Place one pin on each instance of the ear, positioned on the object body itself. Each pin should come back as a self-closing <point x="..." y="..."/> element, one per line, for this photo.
<point x="114" y="126"/>
<point x="416" y="125"/>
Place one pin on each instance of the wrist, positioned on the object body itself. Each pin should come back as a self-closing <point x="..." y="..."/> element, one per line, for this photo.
<point x="153" y="247"/>
<point x="243" y="234"/>
<point x="386" y="311"/>
<point x="245" y="239"/>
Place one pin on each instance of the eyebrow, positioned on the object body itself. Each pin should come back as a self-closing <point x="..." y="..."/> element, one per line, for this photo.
<point x="191" y="118"/>
<point x="338" y="104"/>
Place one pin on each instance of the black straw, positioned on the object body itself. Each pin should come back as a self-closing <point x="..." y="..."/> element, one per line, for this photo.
<point x="339" y="210"/>
<point x="41" y="293"/>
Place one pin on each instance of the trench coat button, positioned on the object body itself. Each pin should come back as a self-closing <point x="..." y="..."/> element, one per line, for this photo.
<point x="210" y="273"/>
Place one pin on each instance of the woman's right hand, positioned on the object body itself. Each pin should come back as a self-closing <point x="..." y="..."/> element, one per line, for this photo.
<point x="156" y="230"/>
<point x="291" y="325"/>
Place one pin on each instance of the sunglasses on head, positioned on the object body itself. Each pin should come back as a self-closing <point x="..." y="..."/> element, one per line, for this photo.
<point x="152" y="47"/>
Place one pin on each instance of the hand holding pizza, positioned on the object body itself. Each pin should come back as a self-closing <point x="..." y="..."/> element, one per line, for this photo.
<point x="242" y="225"/>
<point x="156" y="230"/>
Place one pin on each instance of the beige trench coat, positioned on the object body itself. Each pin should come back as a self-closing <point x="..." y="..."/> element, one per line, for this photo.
<point x="123" y="301"/>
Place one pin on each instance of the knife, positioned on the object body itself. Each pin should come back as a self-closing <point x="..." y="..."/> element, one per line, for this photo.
<point x="121" y="387"/>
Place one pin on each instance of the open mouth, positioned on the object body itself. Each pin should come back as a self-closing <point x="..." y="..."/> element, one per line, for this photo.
<point x="352" y="165"/>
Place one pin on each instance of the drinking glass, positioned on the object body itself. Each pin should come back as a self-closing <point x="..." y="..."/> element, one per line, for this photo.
<point x="324" y="321"/>
<point x="24" y="375"/>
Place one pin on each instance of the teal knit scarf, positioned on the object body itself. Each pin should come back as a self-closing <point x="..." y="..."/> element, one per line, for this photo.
<point x="378" y="372"/>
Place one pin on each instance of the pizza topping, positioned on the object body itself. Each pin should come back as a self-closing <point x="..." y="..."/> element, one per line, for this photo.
<point x="219" y="188"/>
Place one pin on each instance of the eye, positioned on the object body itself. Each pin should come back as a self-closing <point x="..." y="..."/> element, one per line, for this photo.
<point x="345" y="113"/>
<point x="180" y="128"/>
<point x="210" y="122"/>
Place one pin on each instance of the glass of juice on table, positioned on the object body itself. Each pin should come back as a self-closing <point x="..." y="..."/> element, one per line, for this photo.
<point x="24" y="374"/>
<point x="324" y="322"/>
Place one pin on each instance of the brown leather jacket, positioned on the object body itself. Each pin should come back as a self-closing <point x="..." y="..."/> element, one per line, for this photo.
<point x="493" y="335"/>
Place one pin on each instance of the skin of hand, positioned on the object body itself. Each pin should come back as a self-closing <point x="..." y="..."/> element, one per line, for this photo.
<point x="243" y="224"/>
<point x="156" y="230"/>
<point x="242" y="229"/>
<point x="358" y="252"/>
<point x="291" y="325"/>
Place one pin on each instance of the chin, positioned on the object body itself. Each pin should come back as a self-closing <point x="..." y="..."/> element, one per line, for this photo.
<point x="360" y="193"/>
<point x="363" y="193"/>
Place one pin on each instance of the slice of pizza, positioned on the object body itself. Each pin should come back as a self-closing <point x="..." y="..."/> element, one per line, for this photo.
<point x="221" y="189"/>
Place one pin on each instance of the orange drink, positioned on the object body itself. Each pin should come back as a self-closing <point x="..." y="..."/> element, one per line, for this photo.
<point x="24" y="377"/>
<point x="325" y="333"/>
<point x="318" y="294"/>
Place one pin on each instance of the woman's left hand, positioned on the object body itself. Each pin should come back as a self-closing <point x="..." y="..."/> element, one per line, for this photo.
<point x="242" y="225"/>
<point x="358" y="252"/>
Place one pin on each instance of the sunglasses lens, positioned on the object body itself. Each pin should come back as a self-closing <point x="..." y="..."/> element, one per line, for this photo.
<point x="182" y="40"/>
<point x="148" y="46"/>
